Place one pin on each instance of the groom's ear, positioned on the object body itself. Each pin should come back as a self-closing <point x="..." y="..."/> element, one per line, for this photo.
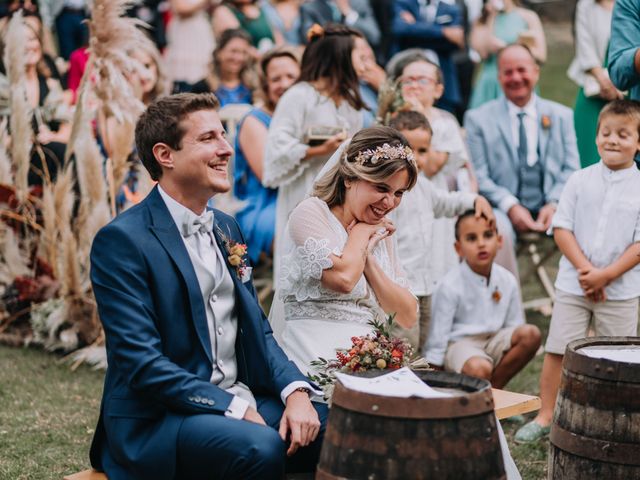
<point x="163" y="154"/>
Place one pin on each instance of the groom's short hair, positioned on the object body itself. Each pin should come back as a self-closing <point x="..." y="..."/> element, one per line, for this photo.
<point x="160" y="123"/>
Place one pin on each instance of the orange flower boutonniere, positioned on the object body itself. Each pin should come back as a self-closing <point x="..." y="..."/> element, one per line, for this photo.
<point x="545" y="121"/>
<point x="496" y="295"/>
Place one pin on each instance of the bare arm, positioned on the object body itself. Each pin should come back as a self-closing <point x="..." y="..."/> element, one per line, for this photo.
<point x="482" y="39"/>
<point x="253" y="139"/>
<point x="347" y="269"/>
<point x="568" y="245"/>
<point x="538" y="45"/>
<point x="223" y="19"/>
<point x="392" y="297"/>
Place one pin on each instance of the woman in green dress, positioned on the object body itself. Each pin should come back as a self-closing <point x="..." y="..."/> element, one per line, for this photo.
<point x="248" y="15"/>
<point x="588" y="70"/>
<point x="502" y="22"/>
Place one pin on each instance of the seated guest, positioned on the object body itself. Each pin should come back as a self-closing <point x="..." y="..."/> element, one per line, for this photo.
<point x="232" y="77"/>
<point x="436" y="27"/>
<point x="597" y="229"/>
<point x="196" y="385"/>
<point x="478" y="328"/>
<point x="51" y="113"/>
<point x="415" y="216"/>
<point x="257" y="219"/>
<point x="356" y="14"/>
<point x="523" y="147"/>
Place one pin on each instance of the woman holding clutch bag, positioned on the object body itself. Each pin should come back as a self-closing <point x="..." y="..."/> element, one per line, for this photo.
<point x="502" y="22"/>
<point x="311" y="120"/>
<point x="588" y="70"/>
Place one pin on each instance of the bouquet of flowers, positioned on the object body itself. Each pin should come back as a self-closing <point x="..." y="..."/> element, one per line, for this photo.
<point x="375" y="351"/>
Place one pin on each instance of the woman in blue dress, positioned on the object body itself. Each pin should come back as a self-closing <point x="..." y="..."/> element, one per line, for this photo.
<point x="232" y="77"/>
<point x="280" y="70"/>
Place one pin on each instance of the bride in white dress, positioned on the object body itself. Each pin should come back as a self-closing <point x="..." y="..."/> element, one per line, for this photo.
<point x="340" y="269"/>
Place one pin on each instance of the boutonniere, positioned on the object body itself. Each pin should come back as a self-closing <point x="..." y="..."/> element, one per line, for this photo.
<point x="545" y="121"/>
<point x="496" y="295"/>
<point x="237" y="257"/>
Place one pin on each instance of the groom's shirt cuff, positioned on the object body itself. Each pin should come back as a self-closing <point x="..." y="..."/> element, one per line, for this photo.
<point x="237" y="408"/>
<point x="289" y="389"/>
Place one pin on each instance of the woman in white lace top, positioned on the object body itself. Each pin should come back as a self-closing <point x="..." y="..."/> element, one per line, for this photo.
<point x="325" y="98"/>
<point x="339" y="266"/>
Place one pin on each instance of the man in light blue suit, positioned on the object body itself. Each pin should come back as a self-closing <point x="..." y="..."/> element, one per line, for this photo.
<point x="196" y="387"/>
<point x="523" y="147"/>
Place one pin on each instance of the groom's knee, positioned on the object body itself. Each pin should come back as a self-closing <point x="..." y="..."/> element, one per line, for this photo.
<point x="267" y="451"/>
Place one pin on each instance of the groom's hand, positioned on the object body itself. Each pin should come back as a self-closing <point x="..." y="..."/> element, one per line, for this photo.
<point x="251" y="415"/>
<point x="301" y="420"/>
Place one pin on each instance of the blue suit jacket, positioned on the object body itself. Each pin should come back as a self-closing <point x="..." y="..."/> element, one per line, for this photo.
<point x="422" y="34"/>
<point x="157" y="338"/>
<point x="494" y="154"/>
<point x="625" y="39"/>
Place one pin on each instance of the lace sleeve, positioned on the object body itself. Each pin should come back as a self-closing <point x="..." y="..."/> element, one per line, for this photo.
<point x="311" y="238"/>
<point x="284" y="150"/>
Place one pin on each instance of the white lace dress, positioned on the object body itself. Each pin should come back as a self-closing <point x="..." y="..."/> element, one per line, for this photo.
<point x="319" y="320"/>
<point x="301" y="107"/>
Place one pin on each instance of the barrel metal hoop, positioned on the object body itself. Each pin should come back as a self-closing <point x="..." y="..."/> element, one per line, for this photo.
<point x="601" y="368"/>
<point x="476" y="403"/>
<point x="593" y="448"/>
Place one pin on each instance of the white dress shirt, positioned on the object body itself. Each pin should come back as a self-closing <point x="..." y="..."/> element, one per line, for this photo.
<point x="530" y="121"/>
<point x="414" y="219"/>
<point x="602" y="209"/>
<point x="465" y="304"/>
<point x="211" y="256"/>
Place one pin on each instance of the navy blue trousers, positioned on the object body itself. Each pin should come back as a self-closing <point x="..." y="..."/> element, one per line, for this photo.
<point x="216" y="447"/>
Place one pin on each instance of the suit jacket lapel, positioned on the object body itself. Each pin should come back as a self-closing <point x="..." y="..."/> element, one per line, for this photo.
<point x="166" y="231"/>
<point x="543" y="130"/>
<point x="504" y="125"/>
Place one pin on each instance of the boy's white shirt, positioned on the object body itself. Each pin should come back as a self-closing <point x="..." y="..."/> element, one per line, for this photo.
<point x="414" y="222"/>
<point x="464" y="304"/>
<point x="602" y="208"/>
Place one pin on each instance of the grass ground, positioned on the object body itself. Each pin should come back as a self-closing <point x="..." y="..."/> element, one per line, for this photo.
<point x="48" y="413"/>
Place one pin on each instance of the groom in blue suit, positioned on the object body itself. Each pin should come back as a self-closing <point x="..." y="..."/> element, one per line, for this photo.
<point x="196" y="386"/>
<point x="523" y="147"/>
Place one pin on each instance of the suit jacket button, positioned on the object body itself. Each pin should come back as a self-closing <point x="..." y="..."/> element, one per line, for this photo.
<point x="190" y="399"/>
<point x="211" y="402"/>
<point x="197" y="399"/>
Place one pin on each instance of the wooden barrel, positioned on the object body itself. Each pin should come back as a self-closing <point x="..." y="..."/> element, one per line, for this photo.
<point x="596" y="423"/>
<point x="374" y="437"/>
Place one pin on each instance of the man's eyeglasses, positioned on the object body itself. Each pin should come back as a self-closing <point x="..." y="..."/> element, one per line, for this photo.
<point x="418" y="80"/>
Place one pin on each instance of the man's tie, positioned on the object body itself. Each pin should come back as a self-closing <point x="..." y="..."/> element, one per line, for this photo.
<point x="202" y="224"/>
<point x="523" y="149"/>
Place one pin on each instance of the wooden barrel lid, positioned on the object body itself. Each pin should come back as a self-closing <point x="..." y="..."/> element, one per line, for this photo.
<point x="603" y="368"/>
<point x="474" y="398"/>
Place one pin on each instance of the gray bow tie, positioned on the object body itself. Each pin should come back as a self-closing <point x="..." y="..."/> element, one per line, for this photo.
<point x="202" y="224"/>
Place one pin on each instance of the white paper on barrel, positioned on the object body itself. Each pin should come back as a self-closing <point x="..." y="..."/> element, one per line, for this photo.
<point x="399" y="383"/>
<point x="621" y="354"/>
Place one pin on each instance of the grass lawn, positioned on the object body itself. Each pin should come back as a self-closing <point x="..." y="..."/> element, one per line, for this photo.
<point x="48" y="413"/>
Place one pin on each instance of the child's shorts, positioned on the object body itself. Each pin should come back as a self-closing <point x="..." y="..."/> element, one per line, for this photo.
<point x="491" y="346"/>
<point x="573" y="314"/>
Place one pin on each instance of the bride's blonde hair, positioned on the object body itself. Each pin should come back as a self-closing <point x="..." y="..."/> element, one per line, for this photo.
<point x="373" y="155"/>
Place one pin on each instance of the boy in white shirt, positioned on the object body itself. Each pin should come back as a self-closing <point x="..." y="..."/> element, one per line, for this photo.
<point x="478" y="327"/>
<point x="415" y="216"/>
<point x="597" y="229"/>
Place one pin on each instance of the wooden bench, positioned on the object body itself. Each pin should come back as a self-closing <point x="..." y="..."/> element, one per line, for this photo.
<point x="507" y="404"/>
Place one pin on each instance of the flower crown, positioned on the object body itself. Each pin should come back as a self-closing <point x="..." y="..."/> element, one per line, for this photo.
<point x="385" y="152"/>
<point x="314" y="31"/>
